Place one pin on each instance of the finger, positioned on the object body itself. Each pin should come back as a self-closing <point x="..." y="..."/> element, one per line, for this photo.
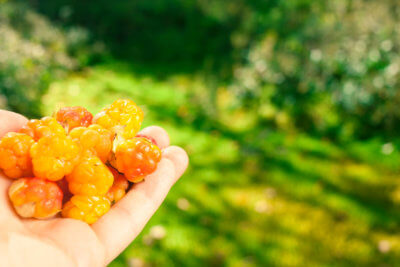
<point x="179" y="157"/>
<point x="117" y="228"/>
<point x="157" y="133"/>
<point x="4" y="200"/>
<point x="10" y="121"/>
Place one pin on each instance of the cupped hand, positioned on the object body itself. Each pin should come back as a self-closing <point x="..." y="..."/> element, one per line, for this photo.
<point x="67" y="242"/>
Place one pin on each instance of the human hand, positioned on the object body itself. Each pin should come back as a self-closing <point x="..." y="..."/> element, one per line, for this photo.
<point x="67" y="242"/>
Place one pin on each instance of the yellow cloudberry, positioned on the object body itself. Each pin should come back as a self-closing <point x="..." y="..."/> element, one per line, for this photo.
<point x="95" y="139"/>
<point x="90" y="177"/>
<point x="15" y="160"/>
<point x="123" y="118"/>
<point x="47" y="126"/>
<point x="54" y="157"/>
<point x="86" y="208"/>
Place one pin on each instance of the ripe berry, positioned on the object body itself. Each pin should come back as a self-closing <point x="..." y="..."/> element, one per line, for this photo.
<point x="90" y="178"/>
<point x="123" y="118"/>
<point x="47" y="126"/>
<point x="151" y="139"/>
<point x="119" y="187"/>
<point x="35" y="198"/>
<point x="72" y="117"/>
<point x="15" y="159"/>
<point x="94" y="138"/>
<point x="137" y="158"/>
<point x="54" y="157"/>
<point x="86" y="208"/>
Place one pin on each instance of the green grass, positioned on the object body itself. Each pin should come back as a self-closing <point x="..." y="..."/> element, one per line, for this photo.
<point x="276" y="200"/>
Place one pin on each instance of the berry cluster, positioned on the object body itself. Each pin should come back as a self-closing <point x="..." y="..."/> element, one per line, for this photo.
<point x="76" y="163"/>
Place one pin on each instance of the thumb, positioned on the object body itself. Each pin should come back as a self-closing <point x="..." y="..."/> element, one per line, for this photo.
<point x="10" y="121"/>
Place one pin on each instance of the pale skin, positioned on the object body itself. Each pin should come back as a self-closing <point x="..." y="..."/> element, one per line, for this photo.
<point x="67" y="242"/>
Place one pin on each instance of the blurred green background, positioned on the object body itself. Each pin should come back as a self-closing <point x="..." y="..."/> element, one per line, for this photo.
<point x="289" y="111"/>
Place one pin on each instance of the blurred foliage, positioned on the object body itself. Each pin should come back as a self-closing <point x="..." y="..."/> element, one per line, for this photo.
<point x="328" y="68"/>
<point x="34" y="52"/>
<point x="158" y="31"/>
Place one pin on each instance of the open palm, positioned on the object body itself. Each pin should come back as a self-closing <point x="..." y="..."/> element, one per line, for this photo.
<point x="68" y="242"/>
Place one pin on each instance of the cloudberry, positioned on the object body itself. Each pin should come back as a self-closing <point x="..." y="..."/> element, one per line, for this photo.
<point x="54" y="157"/>
<point x="15" y="159"/>
<point x="34" y="197"/>
<point x="119" y="187"/>
<point x="137" y="158"/>
<point x="46" y="126"/>
<point x="123" y="118"/>
<point x="72" y="117"/>
<point x="90" y="178"/>
<point x="95" y="139"/>
<point x="86" y="208"/>
<point x="151" y="139"/>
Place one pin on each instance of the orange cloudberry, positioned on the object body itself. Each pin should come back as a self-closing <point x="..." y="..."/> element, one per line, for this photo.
<point x="90" y="177"/>
<point x="119" y="187"/>
<point x="86" y="208"/>
<point x="15" y="160"/>
<point x="151" y="139"/>
<point x="47" y="126"/>
<point x="95" y="139"/>
<point x="53" y="157"/>
<point x="72" y="117"/>
<point x="35" y="198"/>
<point x="137" y="158"/>
<point x="123" y="118"/>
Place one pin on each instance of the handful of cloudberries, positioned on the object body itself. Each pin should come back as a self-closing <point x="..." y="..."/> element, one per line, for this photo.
<point x="75" y="163"/>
